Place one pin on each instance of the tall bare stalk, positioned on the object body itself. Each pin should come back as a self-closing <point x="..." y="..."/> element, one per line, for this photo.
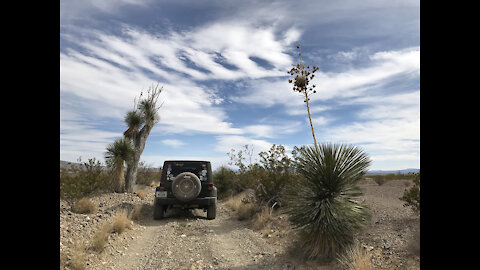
<point x="300" y="84"/>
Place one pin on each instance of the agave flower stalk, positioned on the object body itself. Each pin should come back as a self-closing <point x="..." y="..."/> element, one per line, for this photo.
<point x="303" y="75"/>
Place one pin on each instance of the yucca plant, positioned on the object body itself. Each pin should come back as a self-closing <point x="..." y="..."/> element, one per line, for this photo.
<point x="140" y="122"/>
<point x="118" y="152"/>
<point x="322" y="204"/>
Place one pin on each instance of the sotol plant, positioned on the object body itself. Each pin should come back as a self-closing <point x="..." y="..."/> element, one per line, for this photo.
<point x="323" y="204"/>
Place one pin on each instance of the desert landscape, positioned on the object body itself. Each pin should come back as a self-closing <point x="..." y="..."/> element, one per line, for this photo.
<point x="120" y="233"/>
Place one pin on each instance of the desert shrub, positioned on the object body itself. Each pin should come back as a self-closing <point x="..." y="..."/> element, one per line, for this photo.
<point x="78" y="259"/>
<point x="100" y="238"/>
<point x="379" y="179"/>
<point x="234" y="202"/>
<point x="322" y="203"/>
<point x="81" y="181"/>
<point x="147" y="174"/>
<point x="246" y="211"/>
<point x="355" y="257"/>
<point x="268" y="178"/>
<point x="411" y="196"/>
<point x="263" y="218"/>
<point x="276" y="172"/>
<point x="136" y="212"/>
<point x="243" y="204"/>
<point x="247" y="175"/>
<point x="121" y="222"/>
<point x="224" y="179"/>
<point x="84" y="206"/>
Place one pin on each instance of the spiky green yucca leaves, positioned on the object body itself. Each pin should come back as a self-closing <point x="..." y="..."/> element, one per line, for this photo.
<point x="118" y="152"/>
<point x="322" y="205"/>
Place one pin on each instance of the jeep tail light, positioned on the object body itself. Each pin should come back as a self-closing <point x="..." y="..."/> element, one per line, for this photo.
<point x="162" y="185"/>
<point x="210" y="186"/>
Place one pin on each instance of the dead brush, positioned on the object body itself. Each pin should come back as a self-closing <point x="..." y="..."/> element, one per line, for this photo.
<point x="121" y="222"/>
<point x="141" y="194"/>
<point x="100" y="238"/>
<point x="246" y="211"/>
<point x="84" y="206"/>
<point x="355" y="257"/>
<point x="243" y="205"/>
<point x="78" y="261"/>
<point x="263" y="219"/>
<point x="234" y="203"/>
<point x="136" y="212"/>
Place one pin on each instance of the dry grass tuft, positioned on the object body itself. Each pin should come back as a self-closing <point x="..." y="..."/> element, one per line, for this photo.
<point x="141" y="194"/>
<point x="78" y="257"/>
<point x="263" y="219"/>
<point x="100" y="238"/>
<point x="84" y="206"/>
<point x="246" y="211"/>
<point x="137" y="211"/>
<point x="356" y="258"/>
<point x="235" y="202"/>
<point x="121" y="222"/>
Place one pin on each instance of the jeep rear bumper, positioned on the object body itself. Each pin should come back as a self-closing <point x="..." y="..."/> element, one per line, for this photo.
<point x="198" y="201"/>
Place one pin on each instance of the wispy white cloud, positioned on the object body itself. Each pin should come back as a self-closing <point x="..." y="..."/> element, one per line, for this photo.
<point x="226" y="143"/>
<point x="383" y="68"/>
<point x="173" y="142"/>
<point x="271" y="130"/>
<point x="118" y="67"/>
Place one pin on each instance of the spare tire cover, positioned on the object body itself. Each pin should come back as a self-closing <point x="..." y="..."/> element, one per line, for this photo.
<point x="186" y="186"/>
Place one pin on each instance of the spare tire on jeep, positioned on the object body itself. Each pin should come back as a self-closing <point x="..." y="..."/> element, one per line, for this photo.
<point x="186" y="186"/>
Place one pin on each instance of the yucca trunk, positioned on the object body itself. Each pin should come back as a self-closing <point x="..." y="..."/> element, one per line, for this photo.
<point x="119" y="179"/>
<point x="139" y="141"/>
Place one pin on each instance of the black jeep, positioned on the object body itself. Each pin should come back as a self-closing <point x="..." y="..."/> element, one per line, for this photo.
<point x="186" y="184"/>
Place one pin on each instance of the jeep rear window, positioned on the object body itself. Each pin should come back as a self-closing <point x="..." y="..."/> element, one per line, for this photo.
<point x="180" y="167"/>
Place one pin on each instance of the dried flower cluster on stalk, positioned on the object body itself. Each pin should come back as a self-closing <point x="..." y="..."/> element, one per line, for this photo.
<point x="303" y="76"/>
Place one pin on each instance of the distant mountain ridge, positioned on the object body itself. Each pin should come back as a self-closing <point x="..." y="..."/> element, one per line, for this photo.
<point x="383" y="172"/>
<point x="64" y="164"/>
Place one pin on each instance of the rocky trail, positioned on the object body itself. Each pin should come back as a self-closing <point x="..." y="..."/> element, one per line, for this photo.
<point x="187" y="240"/>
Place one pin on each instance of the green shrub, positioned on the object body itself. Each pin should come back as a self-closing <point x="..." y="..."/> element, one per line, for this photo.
<point x="322" y="203"/>
<point x="81" y="181"/>
<point x="268" y="177"/>
<point x="411" y="196"/>
<point x="146" y="174"/>
<point x="379" y="179"/>
<point x="224" y="179"/>
<point x="275" y="173"/>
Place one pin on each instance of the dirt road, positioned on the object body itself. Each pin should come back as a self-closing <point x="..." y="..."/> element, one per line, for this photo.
<point x="187" y="240"/>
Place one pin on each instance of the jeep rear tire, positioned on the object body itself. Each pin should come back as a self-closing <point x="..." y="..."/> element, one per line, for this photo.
<point x="212" y="211"/>
<point x="158" y="211"/>
<point x="186" y="186"/>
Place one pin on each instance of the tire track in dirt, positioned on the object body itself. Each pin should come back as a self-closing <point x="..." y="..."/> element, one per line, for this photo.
<point x="190" y="241"/>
